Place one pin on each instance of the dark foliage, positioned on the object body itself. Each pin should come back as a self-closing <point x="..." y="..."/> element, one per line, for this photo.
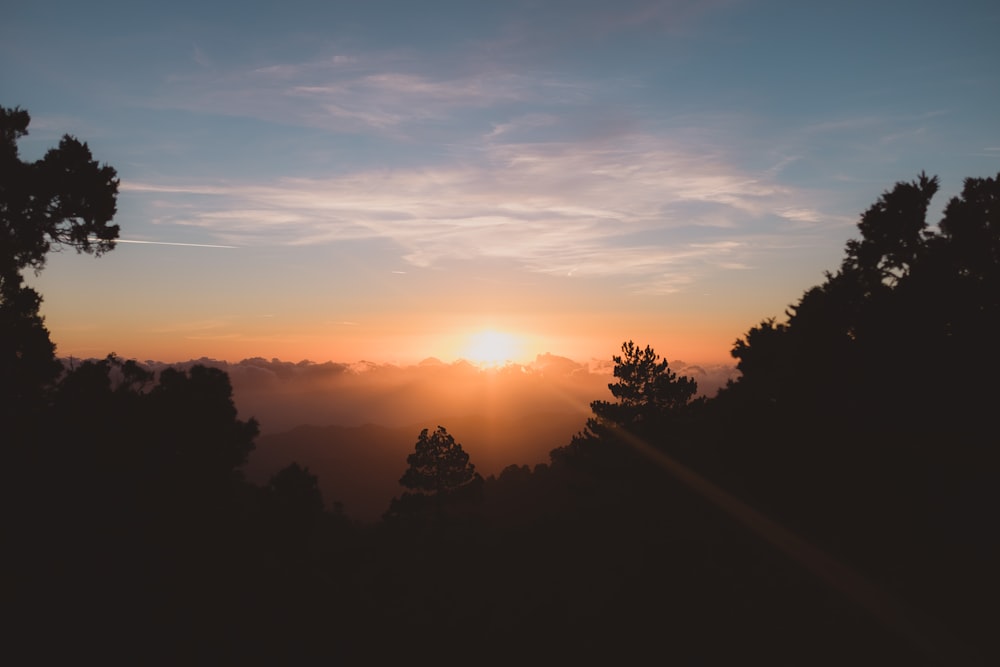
<point x="438" y="465"/>
<point x="131" y="536"/>
<point x="654" y="406"/>
<point x="865" y="420"/>
<point x="440" y="478"/>
<point x="648" y="392"/>
<point x="66" y="199"/>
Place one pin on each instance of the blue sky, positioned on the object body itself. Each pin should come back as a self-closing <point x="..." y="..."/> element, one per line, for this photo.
<point x="393" y="177"/>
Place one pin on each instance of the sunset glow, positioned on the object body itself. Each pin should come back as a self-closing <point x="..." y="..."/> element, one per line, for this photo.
<point x="359" y="181"/>
<point x="493" y="348"/>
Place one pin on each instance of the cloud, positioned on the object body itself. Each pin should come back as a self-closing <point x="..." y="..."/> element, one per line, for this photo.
<point x="603" y="194"/>
<point x="639" y="206"/>
<point x="557" y="26"/>
<point x="525" y="122"/>
<point x="385" y="93"/>
<point x="805" y="215"/>
<point x="282" y="394"/>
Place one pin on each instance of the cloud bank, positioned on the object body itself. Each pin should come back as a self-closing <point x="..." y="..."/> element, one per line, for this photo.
<point x="282" y="395"/>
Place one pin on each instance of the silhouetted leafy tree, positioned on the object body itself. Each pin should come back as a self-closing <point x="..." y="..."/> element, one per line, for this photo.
<point x="902" y="291"/>
<point x="603" y="478"/>
<point x="126" y="487"/>
<point x="652" y="403"/>
<point x="27" y="357"/>
<point x="294" y="506"/>
<point x="866" y="408"/>
<point x="439" y="475"/>
<point x="64" y="199"/>
<point x="647" y="390"/>
<point x="199" y="433"/>
<point x="296" y="488"/>
<point x="971" y="225"/>
<point x="173" y="445"/>
<point x="893" y="234"/>
<point x="438" y="464"/>
<point x="963" y="281"/>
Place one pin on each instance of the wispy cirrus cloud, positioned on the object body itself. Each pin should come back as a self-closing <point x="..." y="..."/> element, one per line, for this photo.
<point x="362" y="93"/>
<point x="530" y="121"/>
<point x="642" y="208"/>
<point x="598" y="196"/>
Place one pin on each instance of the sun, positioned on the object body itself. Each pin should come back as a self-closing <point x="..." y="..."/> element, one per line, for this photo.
<point x="493" y="348"/>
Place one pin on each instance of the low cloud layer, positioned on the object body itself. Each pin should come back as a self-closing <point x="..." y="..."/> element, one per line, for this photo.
<point x="282" y="395"/>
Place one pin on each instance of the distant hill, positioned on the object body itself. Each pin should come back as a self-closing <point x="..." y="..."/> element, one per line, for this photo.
<point x="360" y="466"/>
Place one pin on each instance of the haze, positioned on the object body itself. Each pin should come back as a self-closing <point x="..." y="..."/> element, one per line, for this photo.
<point x="354" y="424"/>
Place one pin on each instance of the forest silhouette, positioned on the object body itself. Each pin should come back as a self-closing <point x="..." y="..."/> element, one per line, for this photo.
<point x="835" y="504"/>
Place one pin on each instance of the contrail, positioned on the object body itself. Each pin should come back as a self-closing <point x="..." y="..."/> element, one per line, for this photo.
<point x="192" y="245"/>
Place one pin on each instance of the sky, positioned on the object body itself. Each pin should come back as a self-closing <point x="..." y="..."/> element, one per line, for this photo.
<point x="394" y="180"/>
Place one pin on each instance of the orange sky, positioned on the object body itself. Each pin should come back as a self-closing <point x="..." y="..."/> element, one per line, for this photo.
<point x="330" y="185"/>
<point x="128" y="303"/>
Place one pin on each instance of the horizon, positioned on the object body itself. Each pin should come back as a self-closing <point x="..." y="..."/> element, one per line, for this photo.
<point x="487" y="365"/>
<point x="284" y="394"/>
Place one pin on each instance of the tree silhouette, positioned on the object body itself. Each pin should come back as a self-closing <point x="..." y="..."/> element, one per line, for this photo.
<point x="294" y="505"/>
<point x="647" y="390"/>
<point x="904" y="290"/>
<point x="64" y="199"/>
<point x="652" y="402"/>
<point x="603" y="475"/>
<point x="971" y="225"/>
<point x="893" y="233"/>
<point x="297" y="489"/>
<point x="27" y="356"/>
<point x="197" y="430"/>
<point x="438" y="465"/>
<point x="439" y="476"/>
<point x="171" y="446"/>
<point x="861" y="417"/>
